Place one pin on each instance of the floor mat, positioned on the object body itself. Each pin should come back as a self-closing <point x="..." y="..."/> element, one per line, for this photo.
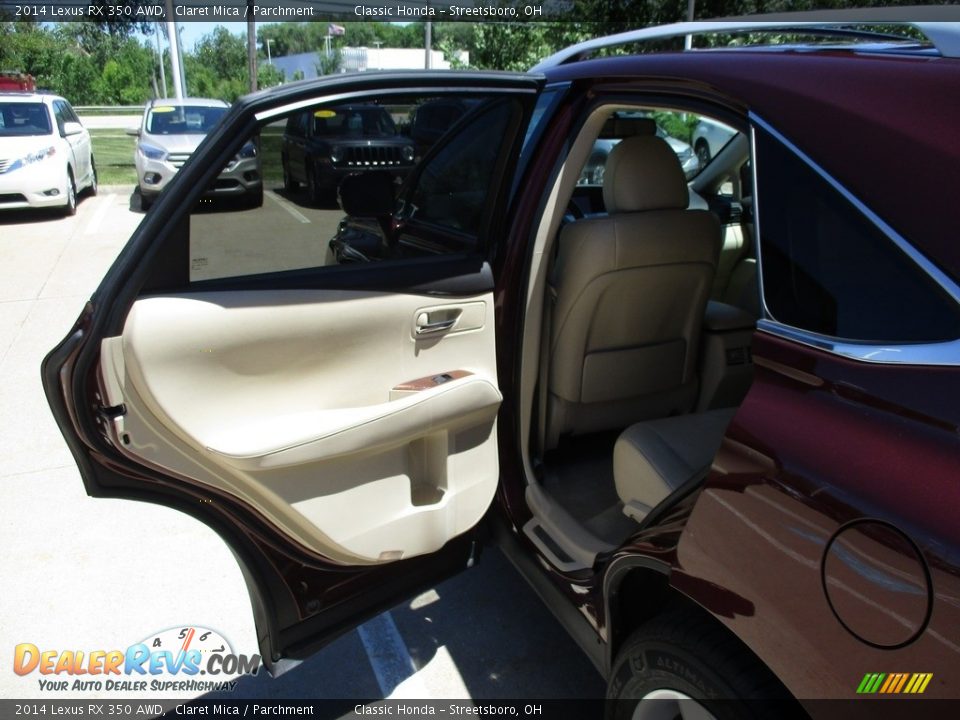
<point x="579" y="476"/>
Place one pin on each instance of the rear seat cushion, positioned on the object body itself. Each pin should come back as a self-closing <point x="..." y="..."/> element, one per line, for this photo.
<point x="651" y="459"/>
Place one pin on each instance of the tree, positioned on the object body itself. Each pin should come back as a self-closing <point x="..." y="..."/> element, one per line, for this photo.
<point x="330" y="64"/>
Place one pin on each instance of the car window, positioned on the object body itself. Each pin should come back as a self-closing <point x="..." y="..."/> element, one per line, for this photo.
<point x="352" y="121"/>
<point x="20" y="119"/>
<point x="182" y="119"/>
<point x="69" y="113"/>
<point x="452" y="187"/>
<point x="676" y="128"/>
<point x="827" y="269"/>
<point x="274" y="207"/>
<point x="60" y="114"/>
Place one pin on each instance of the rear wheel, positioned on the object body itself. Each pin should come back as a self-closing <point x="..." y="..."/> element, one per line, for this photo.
<point x="289" y="184"/>
<point x="94" y="182"/>
<point x="703" y="153"/>
<point x="314" y="191"/>
<point x="683" y="665"/>
<point x="254" y="199"/>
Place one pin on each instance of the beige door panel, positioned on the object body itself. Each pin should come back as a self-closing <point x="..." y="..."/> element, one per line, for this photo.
<point x="324" y="409"/>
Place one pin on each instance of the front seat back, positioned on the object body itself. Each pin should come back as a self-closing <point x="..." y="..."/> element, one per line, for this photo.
<point x="631" y="288"/>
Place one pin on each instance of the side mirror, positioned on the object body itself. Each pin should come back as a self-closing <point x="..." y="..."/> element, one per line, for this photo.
<point x="133" y="130"/>
<point x="72" y="128"/>
<point x="367" y="195"/>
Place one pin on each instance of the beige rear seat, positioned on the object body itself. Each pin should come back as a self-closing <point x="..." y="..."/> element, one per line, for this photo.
<point x="652" y="459"/>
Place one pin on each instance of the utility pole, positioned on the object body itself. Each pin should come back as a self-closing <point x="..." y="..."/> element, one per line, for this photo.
<point x="251" y="46"/>
<point x="269" y="58"/>
<point x="163" y="73"/>
<point x="688" y="39"/>
<point x="183" y="69"/>
<point x="428" y="42"/>
<point x="174" y="40"/>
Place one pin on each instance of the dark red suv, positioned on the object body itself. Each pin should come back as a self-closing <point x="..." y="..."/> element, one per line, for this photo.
<point x="713" y="422"/>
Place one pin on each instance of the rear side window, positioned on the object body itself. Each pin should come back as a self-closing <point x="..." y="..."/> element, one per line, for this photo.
<point x="829" y="270"/>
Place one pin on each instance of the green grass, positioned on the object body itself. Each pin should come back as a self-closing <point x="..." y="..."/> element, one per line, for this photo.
<point x="113" y="151"/>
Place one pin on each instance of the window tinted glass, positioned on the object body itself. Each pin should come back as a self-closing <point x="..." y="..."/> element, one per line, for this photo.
<point x="827" y="269"/>
<point x="452" y="189"/>
<point x="674" y="127"/>
<point x="60" y="114"/>
<point x="352" y="121"/>
<point x="274" y="206"/>
<point x="183" y="119"/>
<point x="23" y="119"/>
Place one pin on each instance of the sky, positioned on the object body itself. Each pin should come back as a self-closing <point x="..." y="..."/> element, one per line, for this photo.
<point x="193" y="31"/>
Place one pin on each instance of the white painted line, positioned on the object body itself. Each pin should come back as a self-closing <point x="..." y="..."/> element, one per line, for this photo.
<point x="389" y="658"/>
<point x="105" y="203"/>
<point x="440" y="678"/>
<point x="287" y="206"/>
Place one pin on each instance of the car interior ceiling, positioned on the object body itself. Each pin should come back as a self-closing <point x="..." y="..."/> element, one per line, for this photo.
<point x="649" y="299"/>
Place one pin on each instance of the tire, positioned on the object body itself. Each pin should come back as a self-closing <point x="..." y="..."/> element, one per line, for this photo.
<point x="70" y="208"/>
<point x="254" y="199"/>
<point x="314" y="191"/>
<point x="703" y="153"/>
<point x="289" y="184"/>
<point x="684" y="665"/>
<point x="145" y="202"/>
<point x="94" y="181"/>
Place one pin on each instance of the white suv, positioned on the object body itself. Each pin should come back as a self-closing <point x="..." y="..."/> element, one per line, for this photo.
<point x="45" y="153"/>
<point x="170" y="130"/>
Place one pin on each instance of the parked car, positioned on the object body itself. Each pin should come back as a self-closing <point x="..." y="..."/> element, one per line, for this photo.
<point x="709" y="138"/>
<point x="324" y="144"/>
<point x="45" y="153"/>
<point x="168" y="134"/>
<point x="721" y="445"/>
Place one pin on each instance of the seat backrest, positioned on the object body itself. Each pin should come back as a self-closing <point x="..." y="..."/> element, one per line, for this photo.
<point x="631" y="289"/>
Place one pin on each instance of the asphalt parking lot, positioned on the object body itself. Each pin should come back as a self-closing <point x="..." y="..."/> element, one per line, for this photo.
<point x="92" y="574"/>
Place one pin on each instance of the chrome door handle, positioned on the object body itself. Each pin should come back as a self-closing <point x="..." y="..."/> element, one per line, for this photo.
<point x="434" y="327"/>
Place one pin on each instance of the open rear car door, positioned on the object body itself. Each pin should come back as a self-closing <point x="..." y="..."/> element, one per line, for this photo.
<point x="336" y="425"/>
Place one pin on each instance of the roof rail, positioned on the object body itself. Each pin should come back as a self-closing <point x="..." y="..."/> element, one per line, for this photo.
<point x="945" y="36"/>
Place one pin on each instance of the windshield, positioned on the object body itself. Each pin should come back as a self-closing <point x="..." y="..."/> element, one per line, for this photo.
<point x="183" y="119"/>
<point x="20" y="119"/>
<point x="355" y="121"/>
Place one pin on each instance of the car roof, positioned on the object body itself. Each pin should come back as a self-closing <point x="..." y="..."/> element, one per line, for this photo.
<point x="178" y="102"/>
<point x="14" y="96"/>
<point x="882" y="125"/>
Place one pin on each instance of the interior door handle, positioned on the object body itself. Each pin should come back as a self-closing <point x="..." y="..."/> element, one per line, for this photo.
<point x="425" y="327"/>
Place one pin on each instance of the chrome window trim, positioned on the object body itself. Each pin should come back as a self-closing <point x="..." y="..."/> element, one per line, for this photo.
<point x="939" y="353"/>
<point x="380" y="92"/>
<point x="920" y="353"/>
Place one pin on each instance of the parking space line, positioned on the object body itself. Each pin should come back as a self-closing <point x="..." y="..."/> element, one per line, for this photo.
<point x="287" y="206"/>
<point x="389" y="657"/>
<point x="105" y="203"/>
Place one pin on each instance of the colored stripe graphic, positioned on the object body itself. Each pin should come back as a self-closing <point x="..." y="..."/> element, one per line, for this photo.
<point x="903" y="680"/>
<point x="894" y="683"/>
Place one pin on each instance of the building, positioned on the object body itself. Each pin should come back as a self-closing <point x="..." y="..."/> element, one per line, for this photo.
<point x="360" y="59"/>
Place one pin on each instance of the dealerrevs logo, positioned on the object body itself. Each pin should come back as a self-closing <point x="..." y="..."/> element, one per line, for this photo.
<point x="170" y="660"/>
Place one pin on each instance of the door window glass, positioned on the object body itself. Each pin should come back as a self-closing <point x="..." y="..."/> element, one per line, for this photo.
<point x="275" y="207"/>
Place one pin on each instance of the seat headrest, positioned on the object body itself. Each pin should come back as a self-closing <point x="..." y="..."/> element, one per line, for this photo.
<point x="643" y="173"/>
